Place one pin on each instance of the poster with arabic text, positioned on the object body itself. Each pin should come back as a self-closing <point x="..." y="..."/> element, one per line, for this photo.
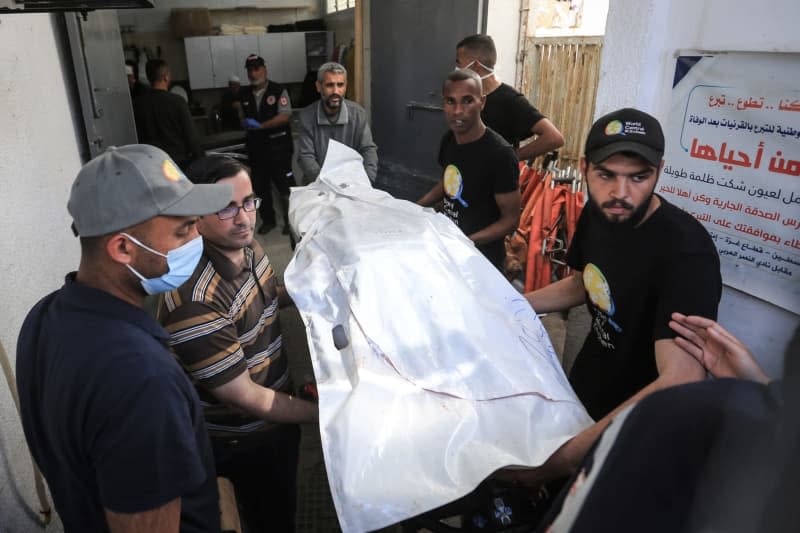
<point x="733" y="161"/>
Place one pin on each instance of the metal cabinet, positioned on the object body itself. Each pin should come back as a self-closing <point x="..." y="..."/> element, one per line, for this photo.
<point x="198" y="61"/>
<point x="223" y="60"/>
<point x="212" y="60"/>
<point x="243" y="46"/>
<point x="294" y="57"/>
<point x="270" y="47"/>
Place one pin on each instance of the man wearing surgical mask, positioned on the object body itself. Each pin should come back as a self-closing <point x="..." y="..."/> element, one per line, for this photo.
<point x="507" y="111"/>
<point x="109" y="415"/>
<point x="225" y="328"/>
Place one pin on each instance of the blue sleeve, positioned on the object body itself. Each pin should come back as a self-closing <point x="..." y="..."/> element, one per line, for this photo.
<point x="144" y="447"/>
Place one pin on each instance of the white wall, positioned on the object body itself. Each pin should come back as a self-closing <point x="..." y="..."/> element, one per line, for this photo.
<point x="502" y="23"/>
<point x="342" y="24"/>
<point x="38" y="161"/>
<point x="642" y="37"/>
<point x="593" y="20"/>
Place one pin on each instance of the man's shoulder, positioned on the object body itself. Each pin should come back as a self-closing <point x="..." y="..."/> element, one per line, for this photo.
<point x="201" y="289"/>
<point x="685" y="230"/>
<point x="310" y="110"/>
<point x="354" y="107"/>
<point x="496" y="146"/>
<point x="274" y="86"/>
<point x="505" y="92"/>
<point x="166" y="96"/>
<point x="506" y="99"/>
<point x="495" y="140"/>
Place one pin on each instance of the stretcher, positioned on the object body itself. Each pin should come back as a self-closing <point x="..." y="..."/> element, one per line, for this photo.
<point x="432" y="370"/>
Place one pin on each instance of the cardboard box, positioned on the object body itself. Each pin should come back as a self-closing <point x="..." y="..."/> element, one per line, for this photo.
<point x="190" y="22"/>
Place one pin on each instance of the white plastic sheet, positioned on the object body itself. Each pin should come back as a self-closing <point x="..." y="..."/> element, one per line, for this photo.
<point x="443" y="373"/>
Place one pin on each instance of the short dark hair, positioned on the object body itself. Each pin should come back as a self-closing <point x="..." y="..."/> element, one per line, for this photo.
<point x="463" y="75"/>
<point x="212" y="168"/>
<point x="482" y="47"/>
<point x="155" y="69"/>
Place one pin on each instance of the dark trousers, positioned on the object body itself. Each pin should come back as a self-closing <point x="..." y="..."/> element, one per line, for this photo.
<point x="266" y="171"/>
<point x="263" y="470"/>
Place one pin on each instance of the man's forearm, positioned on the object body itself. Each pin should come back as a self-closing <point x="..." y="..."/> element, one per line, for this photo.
<point x="164" y="519"/>
<point x="280" y="407"/>
<point x="568" y="457"/>
<point x="539" y="146"/>
<point x="432" y="196"/>
<point x="263" y="402"/>
<point x="370" y="156"/>
<point x="281" y="119"/>
<point x="559" y="296"/>
<point x="547" y="139"/>
<point x="496" y="230"/>
<point x="309" y="166"/>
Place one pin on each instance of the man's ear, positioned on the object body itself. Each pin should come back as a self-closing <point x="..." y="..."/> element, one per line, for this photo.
<point x="199" y="224"/>
<point x="120" y="249"/>
<point x="483" y="101"/>
<point x="319" y="87"/>
<point x="584" y="165"/>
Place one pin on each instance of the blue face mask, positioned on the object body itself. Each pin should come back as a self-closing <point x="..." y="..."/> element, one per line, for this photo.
<point x="181" y="261"/>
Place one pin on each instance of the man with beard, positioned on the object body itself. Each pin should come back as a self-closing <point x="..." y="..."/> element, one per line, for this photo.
<point x="636" y="260"/>
<point x="267" y="110"/>
<point x="479" y="186"/>
<point x="334" y="117"/>
<point x="224" y="327"/>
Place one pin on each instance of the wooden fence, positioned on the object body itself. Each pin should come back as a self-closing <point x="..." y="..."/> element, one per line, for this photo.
<point x="560" y="76"/>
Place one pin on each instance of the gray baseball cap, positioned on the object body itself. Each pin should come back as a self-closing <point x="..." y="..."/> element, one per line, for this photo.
<point x="127" y="185"/>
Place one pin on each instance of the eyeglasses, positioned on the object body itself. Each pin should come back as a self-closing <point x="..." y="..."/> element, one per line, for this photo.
<point x="249" y="205"/>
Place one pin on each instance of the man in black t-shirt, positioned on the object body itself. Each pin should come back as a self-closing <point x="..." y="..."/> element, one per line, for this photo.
<point x="479" y="186"/>
<point x="506" y="111"/>
<point x="636" y="259"/>
<point x="163" y="118"/>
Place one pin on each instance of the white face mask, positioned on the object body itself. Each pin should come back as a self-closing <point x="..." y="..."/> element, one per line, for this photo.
<point x="489" y="70"/>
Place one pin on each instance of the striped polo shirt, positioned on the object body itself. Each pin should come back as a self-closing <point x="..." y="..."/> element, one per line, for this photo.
<point x="224" y="321"/>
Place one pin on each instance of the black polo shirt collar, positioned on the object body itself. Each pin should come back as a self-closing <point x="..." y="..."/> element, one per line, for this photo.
<point x="98" y="302"/>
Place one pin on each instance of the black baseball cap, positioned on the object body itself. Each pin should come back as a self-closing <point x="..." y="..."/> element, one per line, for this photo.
<point x="625" y="130"/>
<point x="254" y="61"/>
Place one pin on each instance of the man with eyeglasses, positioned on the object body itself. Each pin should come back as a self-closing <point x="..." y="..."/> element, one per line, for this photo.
<point x="110" y="417"/>
<point x="506" y="111"/>
<point x="225" y="329"/>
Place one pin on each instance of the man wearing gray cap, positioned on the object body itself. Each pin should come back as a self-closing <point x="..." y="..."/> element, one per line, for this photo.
<point x="636" y="259"/>
<point x="109" y="415"/>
